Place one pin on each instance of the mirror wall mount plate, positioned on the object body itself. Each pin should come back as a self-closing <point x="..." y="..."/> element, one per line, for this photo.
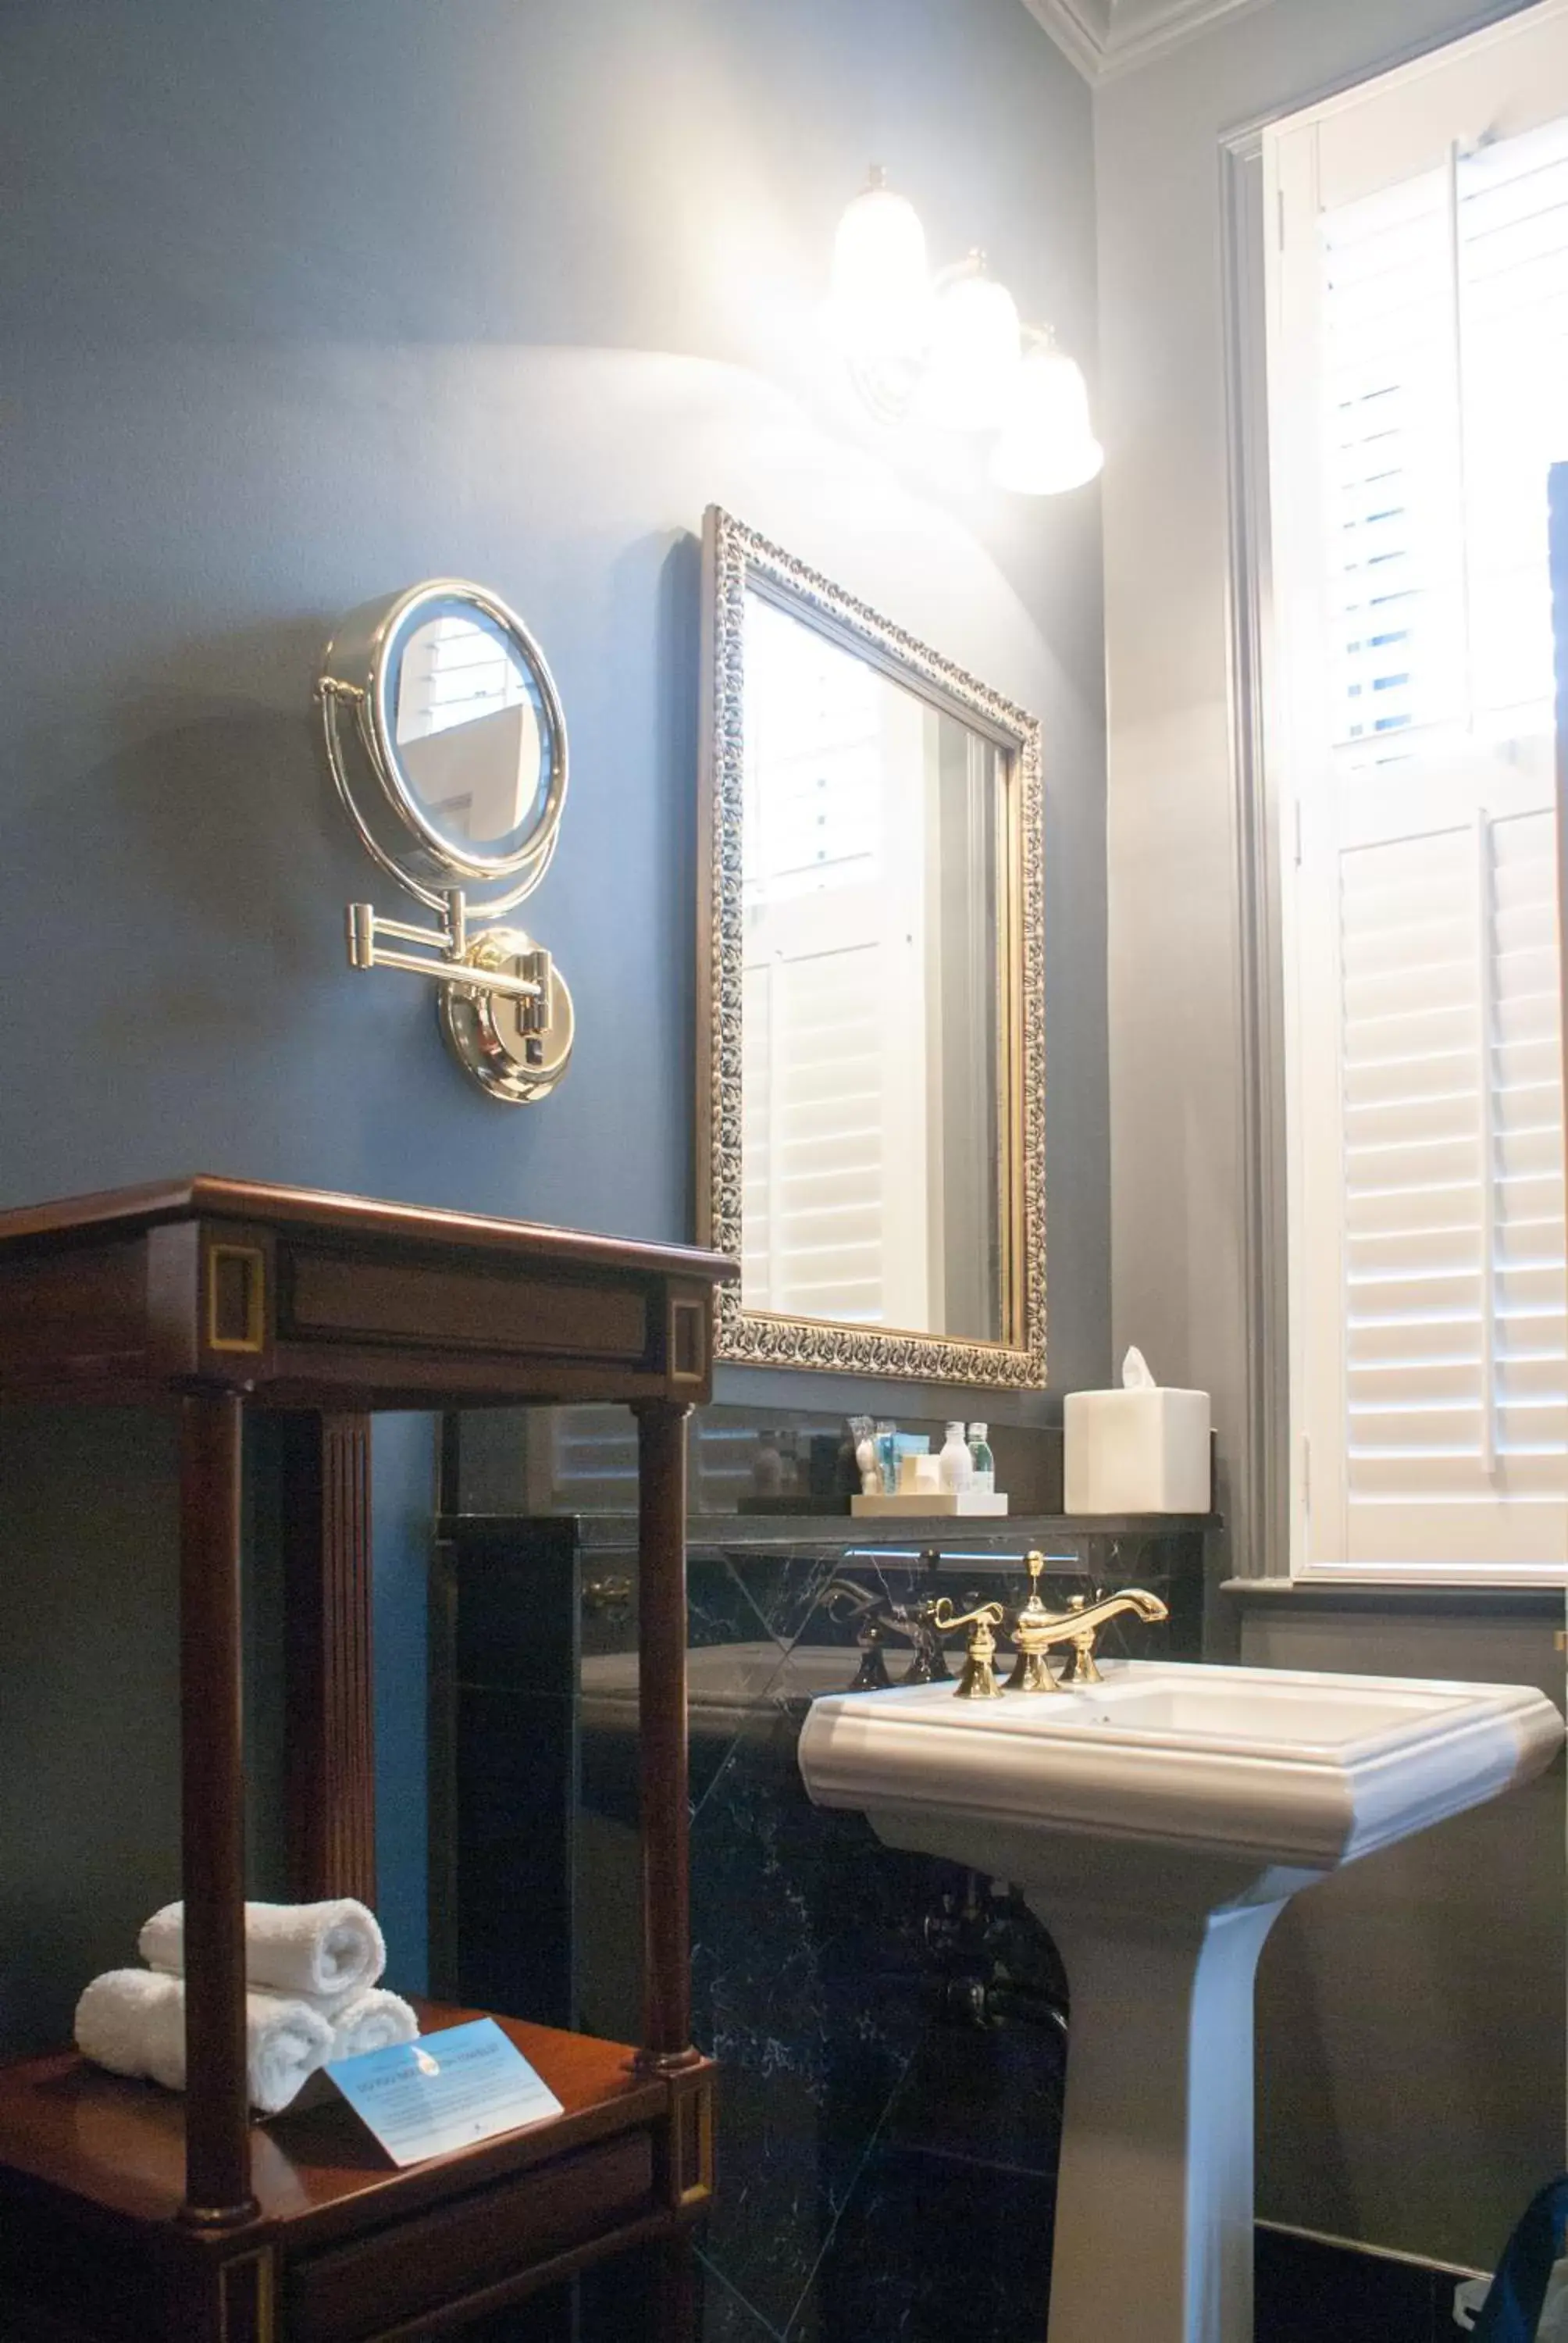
<point x="871" y="1050"/>
<point x="447" y="747"/>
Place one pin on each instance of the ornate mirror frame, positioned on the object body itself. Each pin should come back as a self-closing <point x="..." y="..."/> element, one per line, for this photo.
<point x="736" y="559"/>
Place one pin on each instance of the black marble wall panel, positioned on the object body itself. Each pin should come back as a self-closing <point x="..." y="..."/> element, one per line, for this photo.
<point x="890" y="2027"/>
<point x="504" y="1793"/>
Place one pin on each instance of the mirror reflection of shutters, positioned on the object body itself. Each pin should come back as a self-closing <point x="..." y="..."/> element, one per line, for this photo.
<point x="583" y="1459"/>
<point x="452" y="672"/>
<point x="833" y="1133"/>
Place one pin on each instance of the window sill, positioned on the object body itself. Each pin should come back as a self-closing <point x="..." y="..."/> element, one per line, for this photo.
<point x="1533" y="1599"/>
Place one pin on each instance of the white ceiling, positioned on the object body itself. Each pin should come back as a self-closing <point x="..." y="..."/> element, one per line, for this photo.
<point x="1110" y="37"/>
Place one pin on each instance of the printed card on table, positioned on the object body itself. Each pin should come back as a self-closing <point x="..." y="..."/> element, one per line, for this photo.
<point x="444" y="2091"/>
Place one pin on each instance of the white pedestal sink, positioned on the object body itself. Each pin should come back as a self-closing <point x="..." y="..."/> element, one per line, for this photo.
<point x="1157" y="1823"/>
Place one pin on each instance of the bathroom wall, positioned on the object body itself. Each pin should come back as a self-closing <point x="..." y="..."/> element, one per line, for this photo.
<point x="297" y="304"/>
<point x="1412" y="2044"/>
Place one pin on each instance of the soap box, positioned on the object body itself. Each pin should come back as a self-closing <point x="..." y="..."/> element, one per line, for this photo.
<point x="1135" y="1451"/>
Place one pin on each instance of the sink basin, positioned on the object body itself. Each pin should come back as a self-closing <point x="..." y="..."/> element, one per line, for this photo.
<point x="1157" y="1823"/>
<point x="726" y="1685"/>
<point x="1279" y="1766"/>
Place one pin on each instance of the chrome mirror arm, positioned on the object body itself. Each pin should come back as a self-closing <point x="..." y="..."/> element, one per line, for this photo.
<point x="366" y="927"/>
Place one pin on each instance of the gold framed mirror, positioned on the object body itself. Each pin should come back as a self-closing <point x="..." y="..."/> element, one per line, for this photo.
<point x="872" y="1043"/>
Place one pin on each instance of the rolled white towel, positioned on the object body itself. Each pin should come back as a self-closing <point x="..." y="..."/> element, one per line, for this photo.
<point x="327" y="1950"/>
<point x="376" y="2020"/>
<point x="133" y="2021"/>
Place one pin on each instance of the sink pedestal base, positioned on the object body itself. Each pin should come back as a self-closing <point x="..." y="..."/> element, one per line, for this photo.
<point x="1154" y="2203"/>
<point x="1154" y="2195"/>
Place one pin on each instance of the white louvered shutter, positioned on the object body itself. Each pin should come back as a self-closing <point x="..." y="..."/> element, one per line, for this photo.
<point x="453" y="671"/>
<point x="591" y="1462"/>
<point x="833" y="1148"/>
<point x="1451" y="1279"/>
<point x="1418" y="394"/>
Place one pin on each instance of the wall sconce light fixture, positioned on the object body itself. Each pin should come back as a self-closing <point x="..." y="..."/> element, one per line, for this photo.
<point x="950" y="348"/>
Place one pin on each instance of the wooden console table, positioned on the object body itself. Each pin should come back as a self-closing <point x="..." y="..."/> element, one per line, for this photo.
<point x="129" y="2214"/>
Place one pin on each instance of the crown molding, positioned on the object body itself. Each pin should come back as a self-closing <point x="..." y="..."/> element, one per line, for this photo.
<point x="1106" y="37"/>
<point x="1081" y="29"/>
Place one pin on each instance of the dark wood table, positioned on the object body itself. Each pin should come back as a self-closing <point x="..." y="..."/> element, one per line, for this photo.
<point x="128" y="2212"/>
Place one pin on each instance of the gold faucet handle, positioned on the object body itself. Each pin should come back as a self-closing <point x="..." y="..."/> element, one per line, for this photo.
<point x="1081" y="1667"/>
<point x="1034" y="1631"/>
<point x="978" y="1681"/>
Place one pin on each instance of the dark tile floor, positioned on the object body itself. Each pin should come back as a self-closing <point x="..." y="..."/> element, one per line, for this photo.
<point x="1309" y="2292"/>
<point x="891" y="2267"/>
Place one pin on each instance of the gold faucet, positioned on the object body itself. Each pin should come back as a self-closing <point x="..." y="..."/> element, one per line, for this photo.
<point x="978" y="1681"/>
<point x="1038" y="1632"/>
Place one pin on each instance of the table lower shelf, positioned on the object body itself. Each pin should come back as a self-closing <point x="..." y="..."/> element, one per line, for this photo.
<point x="345" y="2248"/>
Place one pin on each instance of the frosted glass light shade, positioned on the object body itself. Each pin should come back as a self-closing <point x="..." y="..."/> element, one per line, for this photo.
<point x="1046" y="443"/>
<point x="880" y="290"/>
<point x="973" y="359"/>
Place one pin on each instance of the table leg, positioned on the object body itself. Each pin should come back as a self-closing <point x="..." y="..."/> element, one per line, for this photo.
<point x="330" y="1727"/>
<point x="661" y="1611"/>
<point x="212" y="1789"/>
<point x="674" y="2290"/>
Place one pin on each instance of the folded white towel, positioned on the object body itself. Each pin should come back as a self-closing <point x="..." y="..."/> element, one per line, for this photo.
<point x="372" y="2021"/>
<point x="133" y="2021"/>
<point x="329" y="1950"/>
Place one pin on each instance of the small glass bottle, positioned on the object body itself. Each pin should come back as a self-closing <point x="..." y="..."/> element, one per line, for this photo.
<point x="953" y="1464"/>
<point x="981" y="1462"/>
<point x="766" y="1465"/>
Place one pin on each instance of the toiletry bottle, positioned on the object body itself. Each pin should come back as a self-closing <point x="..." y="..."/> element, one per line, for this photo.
<point x="888" y="1458"/>
<point x="866" y="1455"/>
<point x="982" y="1463"/>
<point x="766" y="1465"/>
<point x="954" y="1461"/>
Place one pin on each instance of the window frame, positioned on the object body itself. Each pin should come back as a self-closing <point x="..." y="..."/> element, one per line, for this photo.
<point x="1265" y="1509"/>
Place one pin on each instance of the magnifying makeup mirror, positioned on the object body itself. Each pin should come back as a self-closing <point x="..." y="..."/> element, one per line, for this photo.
<point x="447" y="747"/>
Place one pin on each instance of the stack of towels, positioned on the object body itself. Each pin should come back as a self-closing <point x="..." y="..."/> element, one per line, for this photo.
<point x="311" y="1973"/>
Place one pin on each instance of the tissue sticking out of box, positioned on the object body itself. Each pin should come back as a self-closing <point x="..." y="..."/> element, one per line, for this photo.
<point x="1138" y="1449"/>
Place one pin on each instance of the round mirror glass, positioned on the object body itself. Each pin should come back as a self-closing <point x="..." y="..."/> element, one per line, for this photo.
<point x="469" y="727"/>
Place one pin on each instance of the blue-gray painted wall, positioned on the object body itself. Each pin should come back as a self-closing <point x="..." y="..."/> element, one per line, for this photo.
<point x="300" y="303"/>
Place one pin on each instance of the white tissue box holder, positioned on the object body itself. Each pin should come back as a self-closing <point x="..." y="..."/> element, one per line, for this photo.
<point x="1136" y="1451"/>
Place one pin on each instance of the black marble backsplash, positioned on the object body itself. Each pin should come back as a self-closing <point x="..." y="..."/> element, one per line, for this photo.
<point x="890" y="2027"/>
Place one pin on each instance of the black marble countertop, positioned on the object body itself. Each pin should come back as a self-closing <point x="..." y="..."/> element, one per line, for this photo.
<point x="968" y="1529"/>
<point x="884" y="1531"/>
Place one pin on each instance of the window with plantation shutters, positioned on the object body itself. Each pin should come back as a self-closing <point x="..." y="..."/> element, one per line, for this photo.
<point x="1418" y="395"/>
